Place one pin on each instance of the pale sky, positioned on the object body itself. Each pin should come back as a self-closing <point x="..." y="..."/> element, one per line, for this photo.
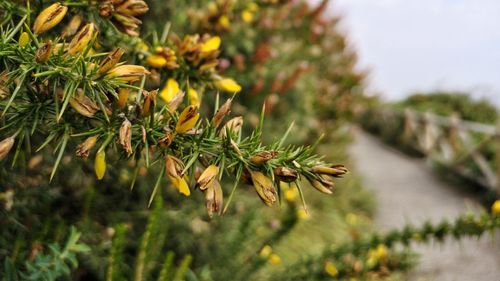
<point x="426" y="44"/>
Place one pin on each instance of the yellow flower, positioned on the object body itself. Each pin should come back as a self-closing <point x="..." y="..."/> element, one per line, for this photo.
<point x="207" y="177"/>
<point x="82" y="39"/>
<point x="381" y="252"/>
<point x="302" y="214"/>
<point x="174" y="167"/>
<point x="274" y="259"/>
<point x="228" y="85"/>
<point x="180" y="184"/>
<point x="171" y="89"/>
<point x="223" y="21"/>
<point x="100" y="164"/>
<point x="187" y="120"/>
<point x="211" y="45"/>
<point x="194" y="98"/>
<point x="266" y="251"/>
<point x="49" y="17"/>
<point x="291" y="194"/>
<point x="495" y="208"/>
<point x="247" y="16"/>
<point x="331" y="269"/>
<point x="156" y="61"/>
<point x="24" y="39"/>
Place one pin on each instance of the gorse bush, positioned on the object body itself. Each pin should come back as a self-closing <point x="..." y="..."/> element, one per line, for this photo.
<point x="79" y="82"/>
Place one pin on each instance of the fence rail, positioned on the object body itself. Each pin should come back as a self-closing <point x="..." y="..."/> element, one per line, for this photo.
<point x="468" y="148"/>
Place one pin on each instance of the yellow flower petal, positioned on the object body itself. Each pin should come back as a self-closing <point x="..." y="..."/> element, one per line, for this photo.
<point x="170" y="90"/>
<point x="495" y="208"/>
<point x="156" y="61"/>
<point x="331" y="269"/>
<point x="194" y="98"/>
<point x="187" y="119"/>
<point x="228" y="85"/>
<point x="247" y="16"/>
<point x="266" y="251"/>
<point x="100" y="164"/>
<point x="181" y="185"/>
<point x="211" y="45"/>
<point x="274" y="259"/>
<point x="224" y="21"/>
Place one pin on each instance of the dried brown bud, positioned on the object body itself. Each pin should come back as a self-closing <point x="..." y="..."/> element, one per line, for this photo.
<point x="132" y="8"/>
<point x="5" y="147"/>
<point x="322" y="184"/>
<point x="149" y="101"/>
<point x="234" y="125"/>
<point x="73" y="26"/>
<point x="165" y="141"/>
<point x="286" y="174"/>
<point x="83" y="104"/>
<point x="125" y="136"/>
<point x="262" y="157"/>
<point x="176" y="101"/>
<point x="174" y="166"/>
<point x="214" y="198"/>
<point x="224" y="110"/>
<point x="111" y="60"/>
<point x="335" y="170"/>
<point x="106" y="8"/>
<point x="264" y="187"/>
<point x="43" y="53"/>
<point x="83" y="149"/>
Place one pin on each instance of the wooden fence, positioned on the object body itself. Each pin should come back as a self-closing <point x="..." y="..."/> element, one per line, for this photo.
<point x="462" y="146"/>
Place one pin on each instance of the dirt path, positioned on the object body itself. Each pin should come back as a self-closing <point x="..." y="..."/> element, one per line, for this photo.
<point x="408" y="190"/>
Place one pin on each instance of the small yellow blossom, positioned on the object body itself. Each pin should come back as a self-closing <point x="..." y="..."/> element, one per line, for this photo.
<point x="211" y="45"/>
<point x="187" y="120"/>
<point x="381" y="252"/>
<point x="228" y="85"/>
<point x="247" y="16"/>
<point x="180" y="184"/>
<point x="274" y="259"/>
<point x="224" y="21"/>
<point x="49" y="17"/>
<point x="302" y="214"/>
<point x="100" y="164"/>
<point x="331" y="269"/>
<point x="495" y="208"/>
<point x="194" y="98"/>
<point x="156" y="61"/>
<point x="170" y="90"/>
<point x="24" y="39"/>
<point x="291" y="194"/>
<point x="266" y="251"/>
